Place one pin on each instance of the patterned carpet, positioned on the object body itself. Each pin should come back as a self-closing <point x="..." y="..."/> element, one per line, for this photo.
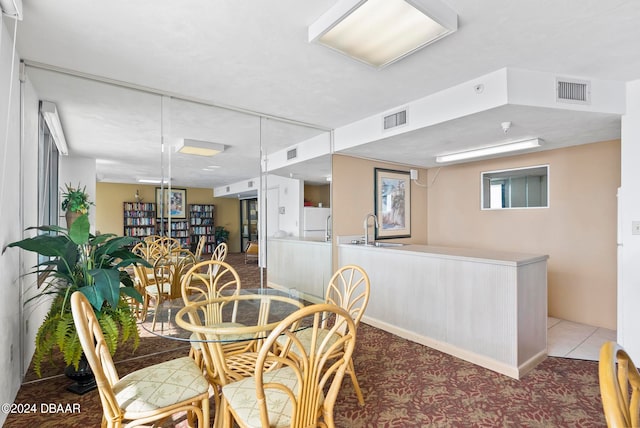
<point x="405" y="385"/>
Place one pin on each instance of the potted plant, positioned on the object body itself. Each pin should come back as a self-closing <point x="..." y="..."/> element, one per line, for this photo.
<point x="222" y="235"/>
<point x="75" y="202"/>
<point x="94" y="265"/>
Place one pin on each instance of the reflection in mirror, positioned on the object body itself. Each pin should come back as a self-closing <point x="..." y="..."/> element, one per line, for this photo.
<point x="133" y="133"/>
<point x="516" y="188"/>
<point x="234" y="135"/>
<point x="297" y="200"/>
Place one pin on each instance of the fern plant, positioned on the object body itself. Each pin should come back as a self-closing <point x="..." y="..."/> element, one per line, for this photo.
<point x="94" y="265"/>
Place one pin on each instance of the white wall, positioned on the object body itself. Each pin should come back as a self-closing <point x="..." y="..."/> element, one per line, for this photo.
<point x="290" y="198"/>
<point x="33" y="311"/>
<point x="17" y="196"/>
<point x="629" y="206"/>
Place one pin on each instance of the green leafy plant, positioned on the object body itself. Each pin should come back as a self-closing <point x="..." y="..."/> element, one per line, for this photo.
<point x="76" y="260"/>
<point x="74" y="199"/>
<point x="221" y="234"/>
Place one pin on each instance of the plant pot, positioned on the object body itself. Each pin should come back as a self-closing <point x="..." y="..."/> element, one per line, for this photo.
<point x="84" y="378"/>
<point x="71" y="216"/>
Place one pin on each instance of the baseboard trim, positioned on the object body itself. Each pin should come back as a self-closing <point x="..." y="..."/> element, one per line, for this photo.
<point x="513" y="371"/>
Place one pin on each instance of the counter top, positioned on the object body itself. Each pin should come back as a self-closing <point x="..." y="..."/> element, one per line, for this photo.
<point x="470" y="254"/>
<point x="300" y="239"/>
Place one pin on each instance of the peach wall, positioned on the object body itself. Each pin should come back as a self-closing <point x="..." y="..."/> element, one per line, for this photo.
<point x="353" y="198"/>
<point x="577" y="231"/>
<point x="110" y="196"/>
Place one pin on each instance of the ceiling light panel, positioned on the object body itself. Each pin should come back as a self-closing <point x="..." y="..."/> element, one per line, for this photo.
<point x="380" y="32"/>
<point x="199" y="148"/>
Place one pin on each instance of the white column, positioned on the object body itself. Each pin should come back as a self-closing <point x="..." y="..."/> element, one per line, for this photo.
<point x="629" y="212"/>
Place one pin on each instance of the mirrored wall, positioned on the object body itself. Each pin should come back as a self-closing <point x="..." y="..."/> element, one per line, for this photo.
<point x="283" y="167"/>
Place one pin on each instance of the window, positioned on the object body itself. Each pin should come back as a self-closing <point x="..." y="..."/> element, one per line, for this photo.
<point x="515" y="188"/>
<point x="47" y="177"/>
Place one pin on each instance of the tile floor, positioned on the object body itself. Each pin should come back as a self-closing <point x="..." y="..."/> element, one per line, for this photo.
<point x="572" y="340"/>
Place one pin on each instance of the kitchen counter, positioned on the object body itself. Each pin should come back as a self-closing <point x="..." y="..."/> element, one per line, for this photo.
<point x="487" y="307"/>
<point x="301" y="239"/>
<point x="303" y="264"/>
<point x="469" y="254"/>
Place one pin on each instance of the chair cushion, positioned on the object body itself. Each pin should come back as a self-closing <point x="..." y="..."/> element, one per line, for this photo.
<point x="305" y="337"/>
<point x="165" y="288"/>
<point x="241" y="396"/>
<point x="160" y="385"/>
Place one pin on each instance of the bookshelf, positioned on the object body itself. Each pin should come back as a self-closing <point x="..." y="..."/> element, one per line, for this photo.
<point x="179" y="230"/>
<point x="202" y="223"/>
<point x="139" y="219"/>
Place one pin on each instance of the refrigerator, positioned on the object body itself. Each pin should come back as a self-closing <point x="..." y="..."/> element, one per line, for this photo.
<point x="314" y="222"/>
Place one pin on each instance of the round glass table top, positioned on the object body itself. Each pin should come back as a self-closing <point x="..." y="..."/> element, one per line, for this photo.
<point x="246" y="315"/>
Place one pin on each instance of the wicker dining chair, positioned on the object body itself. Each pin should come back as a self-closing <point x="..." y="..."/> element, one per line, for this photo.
<point x="148" y="395"/>
<point x="220" y="252"/>
<point x="207" y="280"/>
<point x="155" y="291"/>
<point x="619" y="387"/>
<point x="297" y="386"/>
<point x="199" y="248"/>
<point x="252" y="252"/>
<point x="349" y="288"/>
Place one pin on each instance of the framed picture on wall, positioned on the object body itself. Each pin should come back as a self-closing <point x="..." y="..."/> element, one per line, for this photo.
<point x="173" y="202"/>
<point x="392" y="203"/>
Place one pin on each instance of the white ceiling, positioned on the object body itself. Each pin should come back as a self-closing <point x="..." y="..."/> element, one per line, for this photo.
<point x="255" y="56"/>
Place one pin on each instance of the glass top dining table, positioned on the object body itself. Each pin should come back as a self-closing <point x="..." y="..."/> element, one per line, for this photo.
<point x="257" y="310"/>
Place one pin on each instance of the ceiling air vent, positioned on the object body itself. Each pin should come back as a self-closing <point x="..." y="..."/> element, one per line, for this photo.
<point x="394" y="120"/>
<point x="292" y="154"/>
<point x="573" y="91"/>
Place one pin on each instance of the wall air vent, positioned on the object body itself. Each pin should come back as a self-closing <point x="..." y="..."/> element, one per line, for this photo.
<point x="250" y="184"/>
<point x="292" y="154"/>
<point x="573" y="91"/>
<point x="228" y="189"/>
<point x="394" y="120"/>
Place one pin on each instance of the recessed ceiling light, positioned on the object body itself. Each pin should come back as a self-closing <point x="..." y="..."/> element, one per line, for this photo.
<point x="199" y="148"/>
<point x="380" y="32"/>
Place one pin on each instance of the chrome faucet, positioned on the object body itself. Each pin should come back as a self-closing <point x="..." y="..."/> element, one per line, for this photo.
<point x="327" y="232"/>
<point x="366" y="226"/>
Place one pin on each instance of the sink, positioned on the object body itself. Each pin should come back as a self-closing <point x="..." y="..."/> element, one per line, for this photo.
<point x="389" y="244"/>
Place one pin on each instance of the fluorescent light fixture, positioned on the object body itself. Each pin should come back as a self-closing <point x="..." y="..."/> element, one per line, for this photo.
<point x="199" y="148"/>
<point x="12" y="8"/>
<point x="50" y="114"/>
<point x="492" y="150"/>
<point x="152" y="180"/>
<point x="380" y="32"/>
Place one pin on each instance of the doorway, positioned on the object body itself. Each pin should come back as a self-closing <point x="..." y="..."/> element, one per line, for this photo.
<point x="248" y="222"/>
